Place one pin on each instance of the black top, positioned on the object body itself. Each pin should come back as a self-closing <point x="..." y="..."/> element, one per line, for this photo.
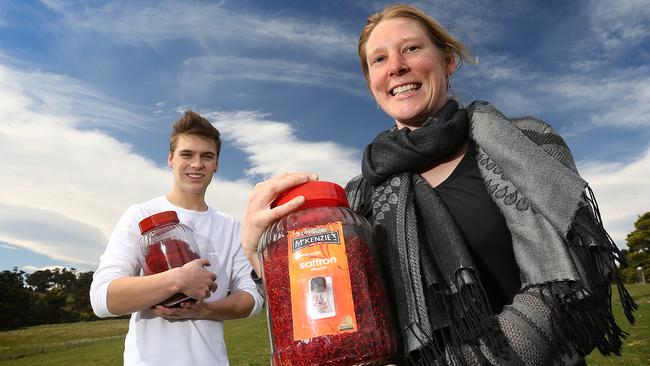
<point x="484" y="229"/>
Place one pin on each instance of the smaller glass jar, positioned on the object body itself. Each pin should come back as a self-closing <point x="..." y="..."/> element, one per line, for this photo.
<point x="326" y="303"/>
<point x="165" y="244"/>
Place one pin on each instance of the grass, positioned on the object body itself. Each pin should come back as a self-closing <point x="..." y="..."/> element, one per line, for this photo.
<point x="248" y="341"/>
<point x="102" y="342"/>
<point x="84" y="343"/>
<point x="636" y="349"/>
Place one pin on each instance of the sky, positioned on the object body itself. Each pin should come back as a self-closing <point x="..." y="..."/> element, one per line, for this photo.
<point x="89" y="89"/>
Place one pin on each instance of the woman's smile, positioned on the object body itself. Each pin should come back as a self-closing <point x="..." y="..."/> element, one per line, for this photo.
<point x="407" y="74"/>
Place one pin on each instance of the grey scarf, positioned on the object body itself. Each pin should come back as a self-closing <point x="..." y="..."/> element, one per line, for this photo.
<point x="564" y="255"/>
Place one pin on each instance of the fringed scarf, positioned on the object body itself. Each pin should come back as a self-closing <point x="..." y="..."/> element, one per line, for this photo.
<point x="561" y="248"/>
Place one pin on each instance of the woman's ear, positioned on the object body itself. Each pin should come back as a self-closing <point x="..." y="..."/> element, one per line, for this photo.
<point x="450" y="66"/>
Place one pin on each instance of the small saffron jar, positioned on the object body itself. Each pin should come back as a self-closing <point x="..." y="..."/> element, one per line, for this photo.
<point x="326" y="303"/>
<point x="165" y="244"/>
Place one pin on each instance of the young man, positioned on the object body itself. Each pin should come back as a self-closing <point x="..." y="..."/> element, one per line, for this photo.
<point x="193" y="333"/>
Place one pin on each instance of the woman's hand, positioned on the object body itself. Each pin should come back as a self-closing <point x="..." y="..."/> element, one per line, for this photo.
<point x="259" y="214"/>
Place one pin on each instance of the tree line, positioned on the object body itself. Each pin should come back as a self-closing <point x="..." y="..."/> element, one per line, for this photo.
<point x="62" y="295"/>
<point x="47" y="296"/>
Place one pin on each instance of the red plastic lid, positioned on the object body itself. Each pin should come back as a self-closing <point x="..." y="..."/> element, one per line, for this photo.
<point x="161" y="218"/>
<point x="316" y="194"/>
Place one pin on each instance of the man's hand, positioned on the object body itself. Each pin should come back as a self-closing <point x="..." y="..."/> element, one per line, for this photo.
<point x="187" y="310"/>
<point x="259" y="214"/>
<point x="194" y="280"/>
<point x="235" y="306"/>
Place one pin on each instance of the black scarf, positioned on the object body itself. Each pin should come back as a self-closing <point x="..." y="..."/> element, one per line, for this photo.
<point x="430" y="267"/>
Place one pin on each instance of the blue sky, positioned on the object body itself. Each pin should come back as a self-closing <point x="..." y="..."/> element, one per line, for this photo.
<point x="88" y="91"/>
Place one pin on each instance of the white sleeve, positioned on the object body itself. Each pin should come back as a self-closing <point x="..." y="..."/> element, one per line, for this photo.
<point x="119" y="260"/>
<point x="241" y="280"/>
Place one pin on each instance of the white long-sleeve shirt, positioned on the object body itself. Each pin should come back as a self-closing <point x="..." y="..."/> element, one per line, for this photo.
<point x="152" y="340"/>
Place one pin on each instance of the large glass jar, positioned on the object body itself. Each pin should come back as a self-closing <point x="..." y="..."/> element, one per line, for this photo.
<point x="326" y="303"/>
<point x="165" y="244"/>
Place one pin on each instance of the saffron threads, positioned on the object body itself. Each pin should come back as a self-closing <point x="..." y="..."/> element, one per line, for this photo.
<point x="373" y="341"/>
<point x="165" y="255"/>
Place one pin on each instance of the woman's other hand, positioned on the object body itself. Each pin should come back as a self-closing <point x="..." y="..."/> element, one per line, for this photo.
<point x="259" y="214"/>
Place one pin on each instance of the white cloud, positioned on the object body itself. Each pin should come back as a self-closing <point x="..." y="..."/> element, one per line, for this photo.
<point x="622" y="191"/>
<point x="65" y="185"/>
<point x="205" y="22"/>
<point x="44" y="232"/>
<point x="274" y="147"/>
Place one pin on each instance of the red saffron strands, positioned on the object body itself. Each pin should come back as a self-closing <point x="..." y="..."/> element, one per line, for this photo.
<point x="165" y="255"/>
<point x="372" y="343"/>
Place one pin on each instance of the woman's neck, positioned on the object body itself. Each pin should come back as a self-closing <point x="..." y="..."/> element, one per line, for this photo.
<point x="441" y="171"/>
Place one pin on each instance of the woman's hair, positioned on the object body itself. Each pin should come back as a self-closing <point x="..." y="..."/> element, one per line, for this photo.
<point x="191" y="123"/>
<point x="444" y="41"/>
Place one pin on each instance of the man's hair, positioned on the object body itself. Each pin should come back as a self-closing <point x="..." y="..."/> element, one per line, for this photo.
<point x="191" y="123"/>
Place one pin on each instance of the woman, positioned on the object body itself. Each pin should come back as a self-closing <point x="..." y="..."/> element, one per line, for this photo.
<point x="493" y="243"/>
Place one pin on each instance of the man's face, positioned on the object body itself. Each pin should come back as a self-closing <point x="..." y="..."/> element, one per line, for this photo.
<point x="193" y="162"/>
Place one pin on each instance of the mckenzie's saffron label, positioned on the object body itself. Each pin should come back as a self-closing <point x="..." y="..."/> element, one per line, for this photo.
<point x="321" y="293"/>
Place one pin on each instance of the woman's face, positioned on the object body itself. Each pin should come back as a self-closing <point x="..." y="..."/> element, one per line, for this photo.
<point x="406" y="71"/>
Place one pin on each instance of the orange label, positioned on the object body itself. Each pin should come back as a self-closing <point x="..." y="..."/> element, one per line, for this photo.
<point x="321" y="294"/>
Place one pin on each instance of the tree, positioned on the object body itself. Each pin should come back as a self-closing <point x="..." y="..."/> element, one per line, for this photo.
<point x="40" y="280"/>
<point x="638" y="243"/>
<point x="15" y="302"/>
<point x="639" y="240"/>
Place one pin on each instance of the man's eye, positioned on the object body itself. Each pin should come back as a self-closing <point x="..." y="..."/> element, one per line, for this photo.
<point x="378" y="59"/>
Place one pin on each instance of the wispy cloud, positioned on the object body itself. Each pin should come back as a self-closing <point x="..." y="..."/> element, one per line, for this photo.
<point x="273" y="147"/>
<point x="622" y="25"/>
<point x="210" y="69"/>
<point x="204" y="22"/>
<point x="617" y="97"/>
<point x="620" y="99"/>
<point x="475" y="23"/>
<point x="36" y="90"/>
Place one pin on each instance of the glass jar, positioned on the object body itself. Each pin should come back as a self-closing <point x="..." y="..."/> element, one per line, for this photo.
<point x="326" y="303"/>
<point x="165" y="244"/>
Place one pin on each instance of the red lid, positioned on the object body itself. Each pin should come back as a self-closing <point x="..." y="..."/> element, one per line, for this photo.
<point x="161" y="218"/>
<point x="316" y="194"/>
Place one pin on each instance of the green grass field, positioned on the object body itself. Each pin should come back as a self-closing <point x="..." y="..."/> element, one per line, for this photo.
<point x="101" y="342"/>
<point x="636" y="349"/>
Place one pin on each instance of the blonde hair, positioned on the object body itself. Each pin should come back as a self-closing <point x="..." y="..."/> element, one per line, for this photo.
<point x="445" y="42"/>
